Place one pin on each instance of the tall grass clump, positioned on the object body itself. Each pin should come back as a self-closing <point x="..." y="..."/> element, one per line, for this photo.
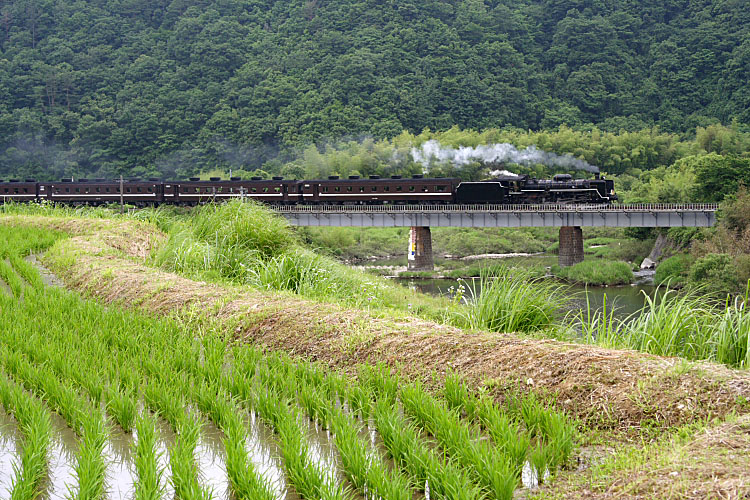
<point x="597" y="272"/>
<point x="511" y="300"/>
<point x="226" y="238"/>
<point x="733" y="333"/>
<point x="673" y="324"/>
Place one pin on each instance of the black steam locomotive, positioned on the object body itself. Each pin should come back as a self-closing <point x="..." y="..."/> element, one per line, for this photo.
<point x="504" y="189"/>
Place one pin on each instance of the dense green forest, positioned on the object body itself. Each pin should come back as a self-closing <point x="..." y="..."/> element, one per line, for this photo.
<point x="107" y="87"/>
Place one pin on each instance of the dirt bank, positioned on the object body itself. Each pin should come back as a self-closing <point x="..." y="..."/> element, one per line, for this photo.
<point x="606" y="389"/>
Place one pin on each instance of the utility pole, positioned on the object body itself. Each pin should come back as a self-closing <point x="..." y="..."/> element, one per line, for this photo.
<point x="122" y="199"/>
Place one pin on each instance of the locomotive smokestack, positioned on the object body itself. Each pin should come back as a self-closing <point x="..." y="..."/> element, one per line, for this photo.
<point x="596" y="175"/>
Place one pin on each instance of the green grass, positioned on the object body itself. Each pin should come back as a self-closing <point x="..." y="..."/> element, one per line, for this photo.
<point x="674" y="323"/>
<point x="597" y="272"/>
<point x="510" y="300"/>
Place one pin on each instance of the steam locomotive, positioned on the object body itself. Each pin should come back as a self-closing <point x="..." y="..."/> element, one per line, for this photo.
<point x="503" y="189"/>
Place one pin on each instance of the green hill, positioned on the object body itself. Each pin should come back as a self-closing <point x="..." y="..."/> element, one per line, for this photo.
<point x="104" y="87"/>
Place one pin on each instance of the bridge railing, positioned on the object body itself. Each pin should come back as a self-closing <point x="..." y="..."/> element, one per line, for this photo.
<point x="637" y="207"/>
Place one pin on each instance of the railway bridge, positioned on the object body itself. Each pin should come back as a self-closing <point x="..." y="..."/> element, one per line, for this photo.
<point x="569" y="218"/>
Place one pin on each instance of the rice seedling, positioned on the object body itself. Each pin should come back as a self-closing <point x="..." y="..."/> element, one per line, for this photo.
<point x="506" y="433"/>
<point x="90" y="467"/>
<point x="307" y="476"/>
<point x="405" y="444"/>
<point x="488" y="465"/>
<point x="245" y="482"/>
<point x="510" y="300"/>
<point x="318" y="393"/>
<point x="26" y="271"/>
<point x="380" y="379"/>
<point x="9" y="276"/>
<point x="149" y="485"/>
<point x="34" y="422"/>
<point x="86" y="420"/>
<point x="166" y="399"/>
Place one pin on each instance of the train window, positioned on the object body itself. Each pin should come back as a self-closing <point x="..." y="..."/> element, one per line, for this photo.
<point x="16" y="191"/>
<point x="57" y="190"/>
<point x="140" y="190"/>
<point x="277" y="189"/>
<point x="25" y="190"/>
<point x="386" y="188"/>
<point x="88" y="190"/>
<point x="6" y="190"/>
<point x="67" y="190"/>
<point x="265" y="189"/>
<point x="337" y="188"/>
<point x="349" y="188"/>
<point x="325" y="189"/>
<point x="425" y="189"/>
<point x="399" y="188"/>
<point x="127" y="190"/>
<point x="374" y="189"/>
<point x="98" y="190"/>
<point x="411" y="188"/>
<point x="440" y="189"/>
<point x="361" y="189"/>
<point x="150" y="189"/>
<point x="78" y="190"/>
<point x="106" y="189"/>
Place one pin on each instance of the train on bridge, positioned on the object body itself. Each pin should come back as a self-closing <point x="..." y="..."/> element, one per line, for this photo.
<point x="374" y="190"/>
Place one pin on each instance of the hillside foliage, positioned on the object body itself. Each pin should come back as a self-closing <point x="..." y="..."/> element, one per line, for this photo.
<point x="131" y="87"/>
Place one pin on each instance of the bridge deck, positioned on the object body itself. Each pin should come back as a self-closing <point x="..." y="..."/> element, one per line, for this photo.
<point x="636" y="215"/>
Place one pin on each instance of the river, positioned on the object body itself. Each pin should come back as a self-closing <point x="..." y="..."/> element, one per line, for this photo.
<point x="626" y="300"/>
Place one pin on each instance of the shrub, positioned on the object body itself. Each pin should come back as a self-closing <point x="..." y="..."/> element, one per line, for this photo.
<point x="674" y="269"/>
<point x="717" y="273"/>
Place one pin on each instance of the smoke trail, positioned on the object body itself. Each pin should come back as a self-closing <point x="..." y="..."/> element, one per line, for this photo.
<point x="507" y="153"/>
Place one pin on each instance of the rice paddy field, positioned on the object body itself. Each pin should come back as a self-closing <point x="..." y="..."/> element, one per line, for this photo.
<point x="129" y="371"/>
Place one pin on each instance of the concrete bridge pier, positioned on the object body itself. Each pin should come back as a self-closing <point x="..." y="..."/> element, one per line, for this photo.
<point x="419" y="257"/>
<point x="571" y="246"/>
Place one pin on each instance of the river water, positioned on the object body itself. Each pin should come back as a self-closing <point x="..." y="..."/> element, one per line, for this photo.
<point x="623" y="300"/>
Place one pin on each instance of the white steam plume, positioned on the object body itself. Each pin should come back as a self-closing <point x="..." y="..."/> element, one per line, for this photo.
<point x="507" y="153"/>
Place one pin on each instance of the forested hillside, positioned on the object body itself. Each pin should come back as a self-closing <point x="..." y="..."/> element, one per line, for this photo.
<point x="105" y="87"/>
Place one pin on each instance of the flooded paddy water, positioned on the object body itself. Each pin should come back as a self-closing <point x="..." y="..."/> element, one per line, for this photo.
<point x="10" y="436"/>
